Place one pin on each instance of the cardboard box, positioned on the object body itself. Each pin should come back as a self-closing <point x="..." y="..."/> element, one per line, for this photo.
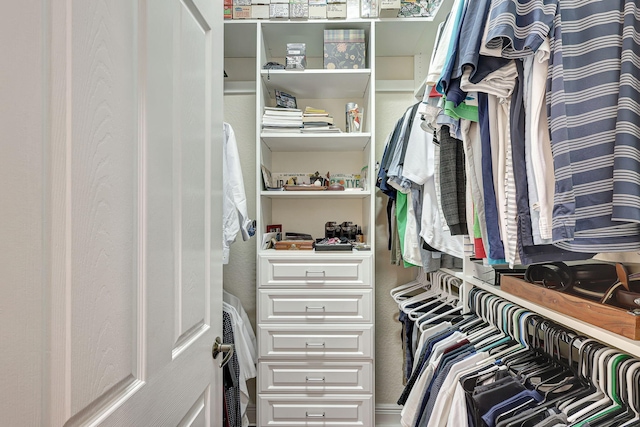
<point x="260" y="11"/>
<point x="389" y="8"/>
<point x="279" y="10"/>
<point x="344" y="49"/>
<point x="242" y="2"/>
<point x="337" y="11"/>
<point x="241" y="12"/>
<point x="317" y="9"/>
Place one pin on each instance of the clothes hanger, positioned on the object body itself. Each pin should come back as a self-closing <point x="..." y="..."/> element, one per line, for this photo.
<point x="610" y="405"/>
<point x="583" y="371"/>
<point x="632" y="378"/>
<point x="600" y="397"/>
<point x="452" y="301"/>
<point x="438" y="297"/>
<point x="419" y="282"/>
<point x="627" y="413"/>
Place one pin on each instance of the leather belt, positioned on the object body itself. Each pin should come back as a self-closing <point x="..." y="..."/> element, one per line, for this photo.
<point x="626" y="299"/>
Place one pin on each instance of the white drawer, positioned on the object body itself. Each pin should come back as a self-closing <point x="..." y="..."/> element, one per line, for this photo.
<point x="316" y="306"/>
<point x="315" y="341"/>
<point x="334" y="411"/>
<point x="321" y="377"/>
<point x="312" y="271"/>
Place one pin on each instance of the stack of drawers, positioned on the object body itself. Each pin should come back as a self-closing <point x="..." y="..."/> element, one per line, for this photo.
<point x="315" y="339"/>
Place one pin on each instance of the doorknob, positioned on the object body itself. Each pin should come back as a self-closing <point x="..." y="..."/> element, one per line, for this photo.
<point x="219" y="347"/>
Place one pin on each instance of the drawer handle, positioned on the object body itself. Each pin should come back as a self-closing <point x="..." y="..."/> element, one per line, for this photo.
<point x="314" y="415"/>
<point x="319" y="380"/>
<point x="314" y="273"/>
<point x="315" y="344"/>
<point x="315" y="308"/>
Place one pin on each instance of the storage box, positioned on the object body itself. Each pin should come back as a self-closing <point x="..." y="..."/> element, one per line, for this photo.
<point x="613" y="319"/>
<point x="418" y="8"/>
<point x="241" y="12"/>
<point x="336" y="10"/>
<point x="344" y="48"/>
<point x="260" y="11"/>
<point x="317" y="9"/>
<point x="389" y="8"/>
<point x="228" y="11"/>
<point x="299" y="9"/>
<point x="279" y="10"/>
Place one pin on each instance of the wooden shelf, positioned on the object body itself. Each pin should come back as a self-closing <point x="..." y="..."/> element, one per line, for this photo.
<point x="315" y="84"/>
<point x="316" y="142"/>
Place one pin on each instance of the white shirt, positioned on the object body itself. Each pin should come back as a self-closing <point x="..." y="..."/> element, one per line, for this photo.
<point x="245" y="360"/>
<point x="234" y="203"/>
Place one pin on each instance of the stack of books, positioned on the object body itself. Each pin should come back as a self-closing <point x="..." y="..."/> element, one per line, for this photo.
<point x="279" y="119"/>
<point x="317" y="120"/>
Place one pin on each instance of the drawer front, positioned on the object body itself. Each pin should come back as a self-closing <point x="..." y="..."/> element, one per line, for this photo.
<point x="310" y="272"/>
<point x="325" y="377"/>
<point x="312" y="341"/>
<point x="316" y="306"/>
<point x="335" y="411"/>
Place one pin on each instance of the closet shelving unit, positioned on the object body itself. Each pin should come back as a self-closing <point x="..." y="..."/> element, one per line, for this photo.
<point x="315" y="310"/>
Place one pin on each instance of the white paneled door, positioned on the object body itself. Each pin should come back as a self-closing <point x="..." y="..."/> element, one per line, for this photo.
<point x="110" y="212"/>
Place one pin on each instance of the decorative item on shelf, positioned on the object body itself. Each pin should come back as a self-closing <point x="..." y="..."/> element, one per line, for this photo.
<point x="344" y="49"/>
<point x="296" y="56"/>
<point x="348" y="230"/>
<point x="283" y="178"/>
<point x="285" y="100"/>
<point x="267" y="180"/>
<point x="331" y="229"/>
<point x="353" y="118"/>
<point x="293" y="245"/>
<point x="347" y="180"/>
<point x="318" y="180"/>
<point x="274" y="228"/>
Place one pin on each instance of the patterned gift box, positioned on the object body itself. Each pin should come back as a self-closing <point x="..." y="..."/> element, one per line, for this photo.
<point x="344" y="49"/>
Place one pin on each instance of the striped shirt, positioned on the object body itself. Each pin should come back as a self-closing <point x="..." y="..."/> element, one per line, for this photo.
<point x="519" y="27"/>
<point x="595" y="132"/>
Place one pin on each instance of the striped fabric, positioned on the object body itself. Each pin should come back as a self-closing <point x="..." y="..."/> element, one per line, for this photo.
<point x="595" y="125"/>
<point x="519" y="27"/>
